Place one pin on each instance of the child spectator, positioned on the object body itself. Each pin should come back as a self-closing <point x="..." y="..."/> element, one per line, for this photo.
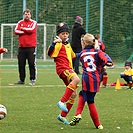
<point x="127" y="75"/>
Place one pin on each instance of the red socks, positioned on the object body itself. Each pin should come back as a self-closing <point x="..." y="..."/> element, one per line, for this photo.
<point x="69" y="106"/>
<point x="80" y="105"/>
<point x="69" y="90"/>
<point x="105" y="79"/>
<point x="94" y="114"/>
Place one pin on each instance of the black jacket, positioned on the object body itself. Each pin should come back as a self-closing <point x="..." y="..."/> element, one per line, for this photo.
<point x="77" y="32"/>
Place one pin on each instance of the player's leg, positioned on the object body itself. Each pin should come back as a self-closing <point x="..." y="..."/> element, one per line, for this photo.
<point x="93" y="110"/>
<point x="79" y="110"/>
<point x="70" y="77"/>
<point x="67" y="100"/>
<point x="104" y="78"/>
<point x="128" y="79"/>
<point x="69" y="104"/>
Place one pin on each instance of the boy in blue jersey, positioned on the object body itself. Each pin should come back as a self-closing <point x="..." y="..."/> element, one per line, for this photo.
<point x="92" y="61"/>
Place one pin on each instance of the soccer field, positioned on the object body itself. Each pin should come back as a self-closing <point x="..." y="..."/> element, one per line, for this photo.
<point x="33" y="109"/>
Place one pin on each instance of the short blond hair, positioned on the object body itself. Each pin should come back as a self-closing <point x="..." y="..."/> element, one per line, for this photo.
<point x="89" y="39"/>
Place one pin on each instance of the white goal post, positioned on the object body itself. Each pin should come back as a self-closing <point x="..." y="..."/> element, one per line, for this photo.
<point x="45" y="35"/>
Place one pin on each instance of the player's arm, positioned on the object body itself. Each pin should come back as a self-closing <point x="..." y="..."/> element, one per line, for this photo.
<point x="3" y="50"/>
<point x="50" y="49"/>
<point x="106" y="59"/>
<point x="52" y="46"/>
<point x="109" y="60"/>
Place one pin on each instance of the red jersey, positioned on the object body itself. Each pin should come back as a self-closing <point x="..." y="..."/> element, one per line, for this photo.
<point x="63" y="55"/>
<point x="1" y="50"/>
<point x="101" y="46"/>
<point x="92" y="62"/>
<point x="27" y="36"/>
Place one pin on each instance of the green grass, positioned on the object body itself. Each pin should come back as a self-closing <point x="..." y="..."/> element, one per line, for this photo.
<point x="33" y="109"/>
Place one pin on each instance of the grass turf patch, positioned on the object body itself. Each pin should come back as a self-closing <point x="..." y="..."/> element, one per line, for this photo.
<point x="33" y="109"/>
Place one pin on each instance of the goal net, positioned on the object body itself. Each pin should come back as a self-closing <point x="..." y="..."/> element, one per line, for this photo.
<point x="45" y="35"/>
<point x="112" y="18"/>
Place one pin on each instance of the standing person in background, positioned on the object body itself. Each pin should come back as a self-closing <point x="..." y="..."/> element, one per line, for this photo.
<point x="92" y="61"/>
<point x="63" y="54"/>
<point x="77" y="32"/>
<point x="101" y="46"/>
<point x="26" y="30"/>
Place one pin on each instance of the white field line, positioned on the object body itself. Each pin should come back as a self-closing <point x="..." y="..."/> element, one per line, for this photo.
<point x="31" y="86"/>
<point x="41" y="66"/>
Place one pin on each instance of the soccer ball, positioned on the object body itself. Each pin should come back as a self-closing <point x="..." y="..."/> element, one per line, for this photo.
<point x="3" y="111"/>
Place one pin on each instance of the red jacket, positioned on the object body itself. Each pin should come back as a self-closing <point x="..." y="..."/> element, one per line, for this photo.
<point x="27" y="33"/>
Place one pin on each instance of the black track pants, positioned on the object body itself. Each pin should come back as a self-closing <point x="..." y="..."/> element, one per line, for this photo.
<point x="29" y="55"/>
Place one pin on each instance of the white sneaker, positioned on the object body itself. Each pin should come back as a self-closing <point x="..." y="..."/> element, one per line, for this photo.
<point x="100" y="127"/>
<point x="32" y="82"/>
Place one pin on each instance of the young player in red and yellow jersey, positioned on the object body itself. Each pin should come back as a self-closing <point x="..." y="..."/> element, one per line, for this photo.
<point x="63" y="54"/>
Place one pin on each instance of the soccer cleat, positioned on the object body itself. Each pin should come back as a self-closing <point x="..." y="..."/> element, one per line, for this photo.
<point x="20" y="82"/>
<point x="32" y="82"/>
<point x="63" y="119"/>
<point x="131" y="88"/>
<point x="75" y="120"/>
<point x="100" y="127"/>
<point x="105" y="86"/>
<point x="62" y="106"/>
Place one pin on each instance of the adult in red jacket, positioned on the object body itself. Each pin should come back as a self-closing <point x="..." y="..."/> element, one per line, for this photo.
<point x="26" y="30"/>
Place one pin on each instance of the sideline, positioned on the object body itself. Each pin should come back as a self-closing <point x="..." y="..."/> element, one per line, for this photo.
<point x="16" y="66"/>
<point x="31" y="86"/>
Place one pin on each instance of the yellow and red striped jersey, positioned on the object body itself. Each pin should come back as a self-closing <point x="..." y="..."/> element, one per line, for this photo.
<point x="63" y="56"/>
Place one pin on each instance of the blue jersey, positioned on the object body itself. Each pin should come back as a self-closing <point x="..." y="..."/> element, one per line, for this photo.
<point x="92" y="63"/>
